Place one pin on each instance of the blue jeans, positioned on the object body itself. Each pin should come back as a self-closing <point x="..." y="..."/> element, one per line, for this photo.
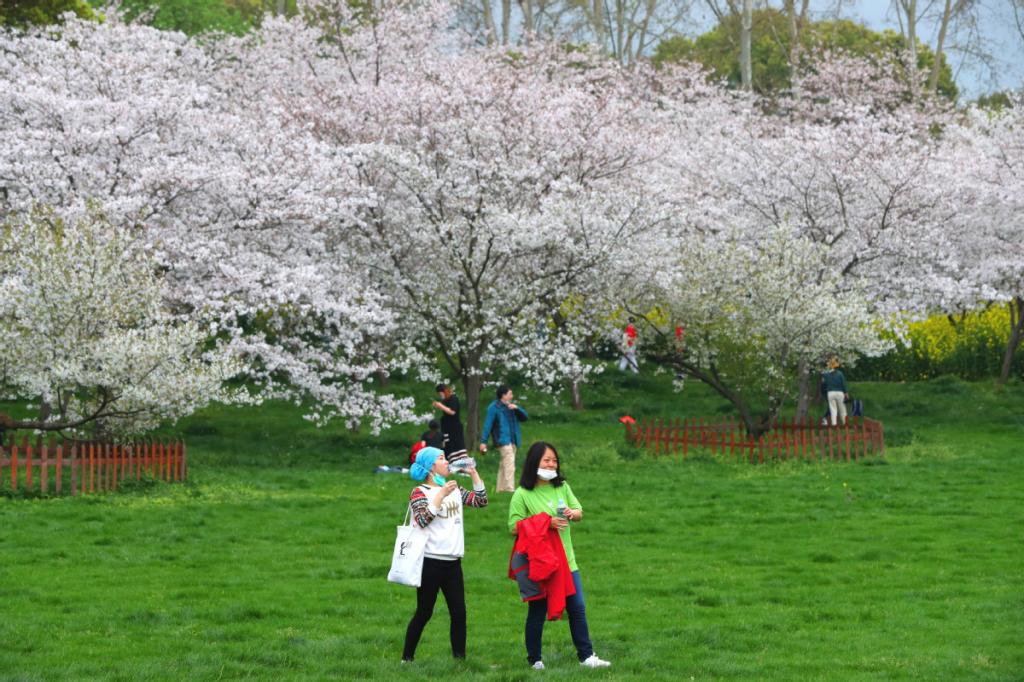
<point x="577" y="612"/>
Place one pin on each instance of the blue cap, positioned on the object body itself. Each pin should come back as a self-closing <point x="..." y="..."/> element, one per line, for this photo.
<point x="425" y="459"/>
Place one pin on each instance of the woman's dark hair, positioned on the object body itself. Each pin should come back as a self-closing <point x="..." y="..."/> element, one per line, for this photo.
<point x="502" y="390"/>
<point x="440" y="388"/>
<point x="528" y="479"/>
<point x="433" y="425"/>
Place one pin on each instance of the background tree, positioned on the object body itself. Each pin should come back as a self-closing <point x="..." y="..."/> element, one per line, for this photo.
<point x="846" y="161"/>
<point x="193" y="17"/>
<point x="500" y="183"/>
<point x="23" y="13"/>
<point x="88" y="336"/>
<point x="746" y="26"/>
<point x="352" y="191"/>
<point x="774" y="52"/>
<point x="626" y="30"/>
<point x="503" y="185"/>
<point x="188" y="145"/>
<point x="757" y="307"/>
<point x="947" y="15"/>
<point x="1018" y="16"/>
<point x="984" y="152"/>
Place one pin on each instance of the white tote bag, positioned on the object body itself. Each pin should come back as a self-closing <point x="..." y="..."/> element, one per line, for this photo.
<point x="407" y="559"/>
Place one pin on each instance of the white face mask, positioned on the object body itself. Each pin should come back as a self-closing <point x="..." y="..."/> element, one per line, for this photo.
<point x="547" y="474"/>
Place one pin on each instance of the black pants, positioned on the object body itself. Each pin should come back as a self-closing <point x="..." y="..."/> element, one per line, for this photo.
<point x="445" y="576"/>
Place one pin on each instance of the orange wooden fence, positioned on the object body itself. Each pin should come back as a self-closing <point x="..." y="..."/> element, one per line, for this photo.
<point x="78" y="467"/>
<point x="788" y="439"/>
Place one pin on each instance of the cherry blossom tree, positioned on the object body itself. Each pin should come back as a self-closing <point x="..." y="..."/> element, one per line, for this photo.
<point x="359" y="190"/>
<point x="846" y="160"/>
<point x="503" y="184"/>
<point x="170" y="136"/>
<point x="984" y="156"/>
<point x="757" y="308"/>
<point x="88" y="336"/>
<point x="848" y="163"/>
<point x="485" y="188"/>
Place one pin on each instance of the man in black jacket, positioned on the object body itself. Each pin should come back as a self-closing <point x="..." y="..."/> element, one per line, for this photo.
<point x="451" y="424"/>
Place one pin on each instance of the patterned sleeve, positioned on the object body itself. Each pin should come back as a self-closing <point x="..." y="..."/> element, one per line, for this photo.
<point x="473" y="498"/>
<point x="421" y="513"/>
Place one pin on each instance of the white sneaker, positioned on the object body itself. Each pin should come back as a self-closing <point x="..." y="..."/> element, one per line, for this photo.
<point x="539" y="665"/>
<point x="594" y="662"/>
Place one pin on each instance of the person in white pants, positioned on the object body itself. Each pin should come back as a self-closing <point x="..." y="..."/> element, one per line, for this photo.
<point x="835" y="390"/>
<point x="502" y="424"/>
<point x="628" y="348"/>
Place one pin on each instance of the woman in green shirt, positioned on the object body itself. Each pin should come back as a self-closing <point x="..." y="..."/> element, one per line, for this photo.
<point x="543" y="489"/>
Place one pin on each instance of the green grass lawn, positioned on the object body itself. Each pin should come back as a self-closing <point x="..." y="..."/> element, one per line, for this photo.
<point x="270" y="562"/>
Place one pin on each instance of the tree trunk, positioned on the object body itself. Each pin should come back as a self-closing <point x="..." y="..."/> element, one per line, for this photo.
<point x="909" y="8"/>
<point x="797" y="20"/>
<point x="1018" y="16"/>
<point x="789" y="7"/>
<point x="599" y="27"/>
<point x="933" y="78"/>
<point x="282" y="5"/>
<point x="577" y="396"/>
<point x="755" y="425"/>
<point x="1016" y="335"/>
<point x="527" y="7"/>
<point x="803" y="401"/>
<point x="758" y="425"/>
<point x="45" y="410"/>
<point x="746" y="26"/>
<point x="491" y="32"/>
<point x="471" y="387"/>
<point x="641" y="42"/>
<point x="506" y="20"/>
<point x="620" y="28"/>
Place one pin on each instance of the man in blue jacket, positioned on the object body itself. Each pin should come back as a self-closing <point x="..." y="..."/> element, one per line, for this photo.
<point x="502" y="425"/>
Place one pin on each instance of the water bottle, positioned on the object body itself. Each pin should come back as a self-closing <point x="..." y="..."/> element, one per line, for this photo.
<point x="460" y="465"/>
<point x="561" y="508"/>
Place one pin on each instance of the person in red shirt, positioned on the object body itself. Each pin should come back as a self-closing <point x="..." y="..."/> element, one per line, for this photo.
<point x="680" y="350"/>
<point x="628" y="348"/>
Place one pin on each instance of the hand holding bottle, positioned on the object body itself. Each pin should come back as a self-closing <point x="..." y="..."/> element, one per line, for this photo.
<point x="558" y="523"/>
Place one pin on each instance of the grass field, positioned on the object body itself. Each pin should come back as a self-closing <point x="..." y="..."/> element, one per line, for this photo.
<point x="270" y="562"/>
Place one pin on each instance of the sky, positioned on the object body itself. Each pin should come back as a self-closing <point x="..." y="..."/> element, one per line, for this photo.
<point x="997" y="28"/>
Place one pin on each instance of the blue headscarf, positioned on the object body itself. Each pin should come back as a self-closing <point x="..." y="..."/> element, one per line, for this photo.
<point x="425" y="459"/>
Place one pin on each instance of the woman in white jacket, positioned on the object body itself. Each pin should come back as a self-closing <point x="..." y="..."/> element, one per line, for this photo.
<point x="437" y="506"/>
